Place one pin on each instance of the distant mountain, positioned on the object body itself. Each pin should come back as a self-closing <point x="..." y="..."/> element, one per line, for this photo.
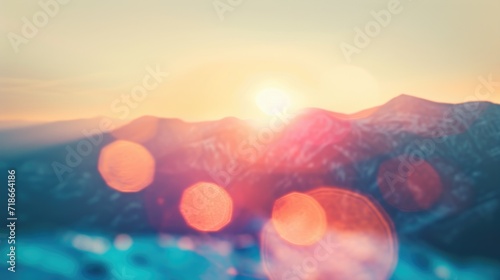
<point x="11" y="124"/>
<point x="449" y="156"/>
<point x="22" y="138"/>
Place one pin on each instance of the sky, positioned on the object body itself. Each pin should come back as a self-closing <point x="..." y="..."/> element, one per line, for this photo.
<point x="205" y="60"/>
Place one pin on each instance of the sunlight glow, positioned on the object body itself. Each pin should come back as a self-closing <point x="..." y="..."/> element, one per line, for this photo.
<point x="272" y="101"/>
<point x="350" y="88"/>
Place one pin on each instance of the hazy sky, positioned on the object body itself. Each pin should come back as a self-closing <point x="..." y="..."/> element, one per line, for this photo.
<point x="88" y="55"/>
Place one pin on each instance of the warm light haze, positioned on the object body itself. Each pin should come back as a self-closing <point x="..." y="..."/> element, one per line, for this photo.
<point x="92" y="54"/>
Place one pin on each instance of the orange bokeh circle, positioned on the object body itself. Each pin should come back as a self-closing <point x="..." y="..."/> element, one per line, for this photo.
<point x="299" y="219"/>
<point x="206" y="207"/>
<point x="126" y="166"/>
<point x="359" y="243"/>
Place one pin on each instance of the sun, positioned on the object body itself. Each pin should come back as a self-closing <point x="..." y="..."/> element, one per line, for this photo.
<point x="272" y="101"/>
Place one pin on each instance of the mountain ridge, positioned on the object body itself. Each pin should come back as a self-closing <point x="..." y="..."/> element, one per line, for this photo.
<point x="453" y="148"/>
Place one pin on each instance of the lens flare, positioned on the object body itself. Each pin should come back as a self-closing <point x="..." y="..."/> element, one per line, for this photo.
<point x="206" y="207"/>
<point x="299" y="219"/>
<point x="409" y="187"/>
<point x="359" y="242"/>
<point x="126" y="166"/>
